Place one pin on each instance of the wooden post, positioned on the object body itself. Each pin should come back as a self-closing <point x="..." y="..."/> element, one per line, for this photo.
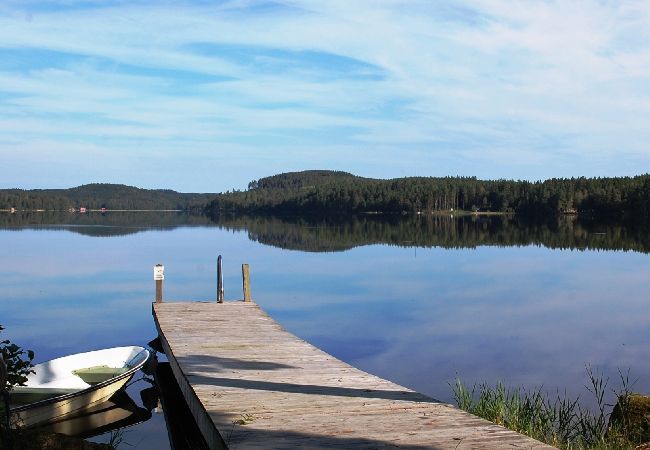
<point x="246" y="281"/>
<point x="220" y="291"/>
<point x="159" y="276"/>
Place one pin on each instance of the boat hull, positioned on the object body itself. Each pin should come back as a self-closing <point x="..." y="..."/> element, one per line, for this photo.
<point x="60" y="374"/>
<point x="57" y="409"/>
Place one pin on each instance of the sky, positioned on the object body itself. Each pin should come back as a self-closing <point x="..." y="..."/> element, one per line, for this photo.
<point x="205" y="96"/>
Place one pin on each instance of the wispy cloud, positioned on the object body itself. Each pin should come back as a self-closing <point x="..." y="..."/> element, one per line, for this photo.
<point x="488" y="88"/>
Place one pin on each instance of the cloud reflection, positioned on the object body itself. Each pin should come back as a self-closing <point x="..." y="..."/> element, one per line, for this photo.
<point x="529" y="316"/>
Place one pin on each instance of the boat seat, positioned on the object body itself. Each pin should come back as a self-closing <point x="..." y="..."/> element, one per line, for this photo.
<point x="97" y="374"/>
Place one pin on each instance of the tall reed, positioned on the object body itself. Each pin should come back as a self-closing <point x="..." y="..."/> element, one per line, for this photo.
<point x="554" y="419"/>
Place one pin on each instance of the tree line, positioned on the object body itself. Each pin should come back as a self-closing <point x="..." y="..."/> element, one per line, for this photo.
<point x="321" y="192"/>
<point x="99" y="195"/>
<point x="326" y="192"/>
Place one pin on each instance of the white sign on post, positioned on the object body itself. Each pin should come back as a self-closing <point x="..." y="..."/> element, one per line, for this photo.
<point x="158" y="272"/>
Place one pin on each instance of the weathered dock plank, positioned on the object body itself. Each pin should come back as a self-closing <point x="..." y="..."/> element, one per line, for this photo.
<point x="251" y="384"/>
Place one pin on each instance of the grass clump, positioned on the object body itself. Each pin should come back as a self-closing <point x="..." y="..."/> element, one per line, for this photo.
<point x="556" y="420"/>
<point x="244" y="419"/>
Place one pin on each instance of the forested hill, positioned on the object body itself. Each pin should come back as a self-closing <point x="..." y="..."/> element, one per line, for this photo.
<point x="96" y="196"/>
<point x="322" y="192"/>
<point x="325" y="192"/>
<point x="299" y="181"/>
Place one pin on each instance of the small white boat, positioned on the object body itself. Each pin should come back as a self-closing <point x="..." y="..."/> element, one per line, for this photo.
<point x="69" y="384"/>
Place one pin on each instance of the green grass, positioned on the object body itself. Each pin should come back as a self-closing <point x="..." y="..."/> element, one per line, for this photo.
<point x="556" y="420"/>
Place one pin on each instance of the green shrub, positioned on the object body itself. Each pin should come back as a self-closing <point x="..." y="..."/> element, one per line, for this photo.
<point x="18" y="361"/>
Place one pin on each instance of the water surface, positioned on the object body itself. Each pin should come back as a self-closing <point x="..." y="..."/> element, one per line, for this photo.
<point x="415" y="300"/>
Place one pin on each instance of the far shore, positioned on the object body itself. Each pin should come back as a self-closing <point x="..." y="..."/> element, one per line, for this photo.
<point x="91" y="210"/>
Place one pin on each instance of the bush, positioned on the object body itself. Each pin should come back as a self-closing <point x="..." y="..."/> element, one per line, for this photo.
<point x="18" y="362"/>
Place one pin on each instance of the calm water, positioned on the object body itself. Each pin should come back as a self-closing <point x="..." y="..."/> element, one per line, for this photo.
<point x="412" y="300"/>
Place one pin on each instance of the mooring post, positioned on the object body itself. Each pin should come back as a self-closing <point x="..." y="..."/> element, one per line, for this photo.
<point x="246" y="281"/>
<point x="220" y="291"/>
<point x="159" y="276"/>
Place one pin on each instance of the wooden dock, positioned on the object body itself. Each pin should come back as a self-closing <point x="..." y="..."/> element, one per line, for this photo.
<point x="251" y="384"/>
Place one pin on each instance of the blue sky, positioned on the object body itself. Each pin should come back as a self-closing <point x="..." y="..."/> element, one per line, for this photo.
<point x="208" y="95"/>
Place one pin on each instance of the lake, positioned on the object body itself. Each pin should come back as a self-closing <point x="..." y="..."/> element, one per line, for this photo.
<point x="416" y="300"/>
